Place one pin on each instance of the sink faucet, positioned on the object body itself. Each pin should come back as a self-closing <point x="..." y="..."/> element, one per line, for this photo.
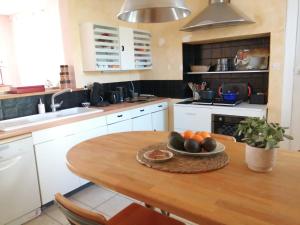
<point x="54" y="105"/>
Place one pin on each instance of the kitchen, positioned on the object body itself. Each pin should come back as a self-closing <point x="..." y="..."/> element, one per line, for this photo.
<point x="167" y="74"/>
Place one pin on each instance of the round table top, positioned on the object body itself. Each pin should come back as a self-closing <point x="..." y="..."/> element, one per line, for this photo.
<point x="232" y="195"/>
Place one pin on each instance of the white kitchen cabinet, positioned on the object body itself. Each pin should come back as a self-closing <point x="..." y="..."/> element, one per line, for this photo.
<point x="100" y="47"/>
<point x="192" y="118"/>
<point x="107" y="48"/>
<point x="51" y="150"/>
<point x="122" y="126"/>
<point x="151" y="117"/>
<point x="126" y="48"/>
<point x="54" y="176"/>
<point x="142" y="49"/>
<point x="160" y="120"/>
<point x="142" y="123"/>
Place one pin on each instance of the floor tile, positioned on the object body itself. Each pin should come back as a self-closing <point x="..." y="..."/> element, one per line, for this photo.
<point x="54" y="212"/>
<point x="82" y="205"/>
<point x="93" y="196"/>
<point x="43" y="220"/>
<point x="132" y="199"/>
<point x="114" y="205"/>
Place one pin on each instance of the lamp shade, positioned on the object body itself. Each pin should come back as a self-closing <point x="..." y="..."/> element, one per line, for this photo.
<point x="153" y="11"/>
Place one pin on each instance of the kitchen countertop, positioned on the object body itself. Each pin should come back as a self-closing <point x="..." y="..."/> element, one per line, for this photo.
<point x="114" y="108"/>
<point x="243" y="105"/>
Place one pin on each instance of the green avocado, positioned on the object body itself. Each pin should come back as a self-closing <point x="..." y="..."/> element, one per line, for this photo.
<point x="191" y="146"/>
<point x="175" y="134"/>
<point x="209" y="144"/>
<point x="177" y="142"/>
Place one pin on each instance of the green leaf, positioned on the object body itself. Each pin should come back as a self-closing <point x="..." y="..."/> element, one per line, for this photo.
<point x="259" y="133"/>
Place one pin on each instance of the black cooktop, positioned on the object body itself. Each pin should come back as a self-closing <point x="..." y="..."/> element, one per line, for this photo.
<point x="216" y="101"/>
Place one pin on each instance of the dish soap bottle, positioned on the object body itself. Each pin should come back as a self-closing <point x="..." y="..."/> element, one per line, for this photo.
<point x="41" y="107"/>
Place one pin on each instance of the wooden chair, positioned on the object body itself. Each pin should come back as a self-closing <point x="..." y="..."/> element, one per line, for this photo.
<point x="223" y="137"/>
<point x="134" y="214"/>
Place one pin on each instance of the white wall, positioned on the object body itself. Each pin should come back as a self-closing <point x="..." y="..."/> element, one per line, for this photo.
<point x="7" y="56"/>
<point x="295" y="121"/>
<point x="290" y="116"/>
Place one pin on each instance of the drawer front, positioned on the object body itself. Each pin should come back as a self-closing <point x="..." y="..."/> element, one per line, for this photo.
<point x="159" y="107"/>
<point x="117" y="117"/>
<point x="68" y="129"/>
<point x="141" y="111"/>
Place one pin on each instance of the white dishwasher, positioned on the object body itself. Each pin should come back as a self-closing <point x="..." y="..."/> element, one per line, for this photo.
<point x="19" y="189"/>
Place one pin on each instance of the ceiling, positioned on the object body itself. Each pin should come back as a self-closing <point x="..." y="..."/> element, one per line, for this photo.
<point x="11" y="7"/>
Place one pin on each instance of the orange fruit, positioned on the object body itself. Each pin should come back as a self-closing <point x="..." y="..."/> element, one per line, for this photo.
<point x="204" y="134"/>
<point x="188" y="134"/>
<point x="197" y="138"/>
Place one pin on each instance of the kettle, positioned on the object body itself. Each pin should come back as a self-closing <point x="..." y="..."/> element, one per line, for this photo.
<point x="113" y="97"/>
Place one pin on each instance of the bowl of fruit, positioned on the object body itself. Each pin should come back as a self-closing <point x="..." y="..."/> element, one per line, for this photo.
<point x="194" y="143"/>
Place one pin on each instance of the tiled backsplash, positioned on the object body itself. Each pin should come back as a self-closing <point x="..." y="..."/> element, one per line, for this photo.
<point x="18" y="107"/>
<point x="26" y="106"/>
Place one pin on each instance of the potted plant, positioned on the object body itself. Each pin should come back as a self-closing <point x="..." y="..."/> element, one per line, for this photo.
<point x="262" y="139"/>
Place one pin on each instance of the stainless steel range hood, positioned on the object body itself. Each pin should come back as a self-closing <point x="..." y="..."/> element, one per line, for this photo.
<point x="219" y="13"/>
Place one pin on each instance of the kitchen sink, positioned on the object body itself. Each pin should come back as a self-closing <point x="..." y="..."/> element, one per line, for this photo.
<point x="17" y="123"/>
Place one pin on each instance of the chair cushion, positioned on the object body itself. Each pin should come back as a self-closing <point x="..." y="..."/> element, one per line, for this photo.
<point x="138" y="215"/>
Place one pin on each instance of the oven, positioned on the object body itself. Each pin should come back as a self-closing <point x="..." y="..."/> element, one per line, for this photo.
<point x="226" y="124"/>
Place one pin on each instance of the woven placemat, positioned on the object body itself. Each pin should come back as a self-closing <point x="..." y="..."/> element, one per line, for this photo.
<point x="182" y="163"/>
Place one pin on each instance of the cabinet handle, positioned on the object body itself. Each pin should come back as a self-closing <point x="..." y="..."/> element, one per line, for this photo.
<point x="123" y="48"/>
<point x="120" y="116"/>
<point x="160" y="106"/>
<point x="142" y="110"/>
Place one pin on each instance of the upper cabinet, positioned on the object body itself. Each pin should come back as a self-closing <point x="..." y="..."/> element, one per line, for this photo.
<point x="106" y="48"/>
<point x="100" y="47"/>
<point x="142" y="49"/>
<point x="127" y="48"/>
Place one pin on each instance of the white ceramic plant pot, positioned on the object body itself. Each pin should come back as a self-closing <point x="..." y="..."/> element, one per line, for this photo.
<point x="260" y="160"/>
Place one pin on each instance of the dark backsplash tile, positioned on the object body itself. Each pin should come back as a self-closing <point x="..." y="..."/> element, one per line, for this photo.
<point x="163" y="88"/>
<point x="10" y="113"/>
<point x="19" y="107"/>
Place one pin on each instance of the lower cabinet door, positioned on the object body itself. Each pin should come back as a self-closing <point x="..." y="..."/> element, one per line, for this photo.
<point x="122" y="126"/>
<point x="54" y="175"/>
<point x="142" y="123"/>
<point x="160" y="120"/>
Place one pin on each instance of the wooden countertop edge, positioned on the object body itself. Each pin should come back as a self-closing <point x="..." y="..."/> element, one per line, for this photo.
<point x="115" y="108"/>
<point x="47" y="92"/>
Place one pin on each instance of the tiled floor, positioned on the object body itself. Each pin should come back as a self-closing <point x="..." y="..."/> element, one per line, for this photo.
<point x="94" y="198"/>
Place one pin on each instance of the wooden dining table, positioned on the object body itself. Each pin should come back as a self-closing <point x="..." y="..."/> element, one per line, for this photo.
<point x="231" y="195"/>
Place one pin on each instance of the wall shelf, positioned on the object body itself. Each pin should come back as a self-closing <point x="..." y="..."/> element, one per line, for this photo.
<point x="108" y="49"/>
<point x="226" y="72"/>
